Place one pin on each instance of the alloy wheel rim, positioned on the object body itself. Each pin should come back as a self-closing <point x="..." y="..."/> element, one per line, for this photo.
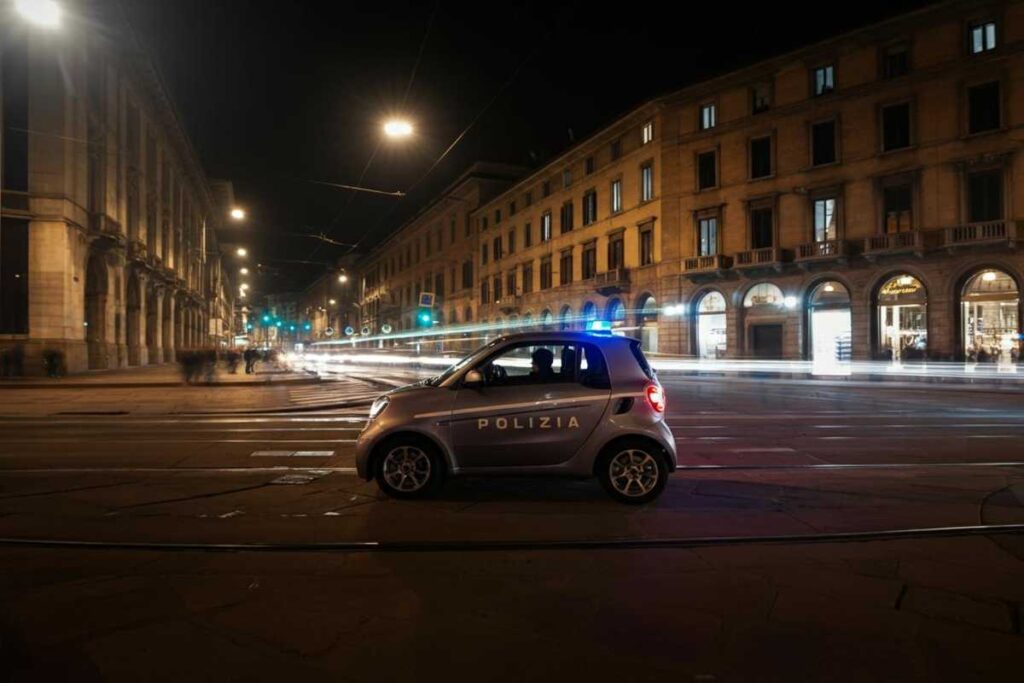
<point x="407" y="469"/>
<point x="633" y="473"/>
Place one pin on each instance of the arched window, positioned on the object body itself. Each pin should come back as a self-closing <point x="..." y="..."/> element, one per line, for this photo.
<point x="902" y="303"/>
<point x="647" y="319"/>
<point x="763" y="294"/>
<point x="711" y="325"/>
<point x="565" y="320"/>
<point x="828" y="309"/>
<point x="616" y="313"/>
<point x="546" y="319"/>
<point x="990" y="317"/>
<point x="589" y="313"/>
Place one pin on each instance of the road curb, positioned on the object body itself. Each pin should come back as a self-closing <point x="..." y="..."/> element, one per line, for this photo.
<point x="153" y="385"/>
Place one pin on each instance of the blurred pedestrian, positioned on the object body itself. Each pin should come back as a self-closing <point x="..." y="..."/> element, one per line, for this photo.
<point x="232" y="359"/>
<point x="209" y="364"/>
<point x="53" y="362"/>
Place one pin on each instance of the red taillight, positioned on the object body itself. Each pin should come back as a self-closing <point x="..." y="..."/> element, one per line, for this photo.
<point x="656" y="397"/>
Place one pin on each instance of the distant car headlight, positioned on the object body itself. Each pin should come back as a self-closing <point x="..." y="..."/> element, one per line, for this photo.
<point x="378" y="406"/>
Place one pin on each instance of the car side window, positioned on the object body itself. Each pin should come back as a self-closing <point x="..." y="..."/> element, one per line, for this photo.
<point x="593" y="370"/>
<point x="530" y="364"/>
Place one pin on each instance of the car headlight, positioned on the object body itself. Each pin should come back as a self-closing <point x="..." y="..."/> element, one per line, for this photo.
<point x="378" y="406"/>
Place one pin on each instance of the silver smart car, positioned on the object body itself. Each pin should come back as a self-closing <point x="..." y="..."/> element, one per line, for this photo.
<point x="560" y="403"/>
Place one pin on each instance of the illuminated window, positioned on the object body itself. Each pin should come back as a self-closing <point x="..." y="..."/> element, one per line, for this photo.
<point x="589" y="207"/>
<point x="824" y="80"/>
<point x="647" y="133"/>
<point x="707" y="236"/>
<point x="825" y="228"/>
<point x="647" y="182"/>
<point x="707" y="117"/>
<point x="617" y="195"/>
<point x="982" y="37"/>
<point x="760" y="98"/>
<point x="545" y="226"/>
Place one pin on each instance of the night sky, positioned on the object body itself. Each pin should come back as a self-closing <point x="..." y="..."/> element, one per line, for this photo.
<point x="277" y="93"/>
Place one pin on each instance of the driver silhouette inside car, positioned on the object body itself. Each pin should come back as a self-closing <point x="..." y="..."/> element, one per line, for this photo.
<point x="542" y="362"/>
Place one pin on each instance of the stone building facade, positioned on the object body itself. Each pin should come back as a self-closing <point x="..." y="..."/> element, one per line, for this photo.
<point x="108" y="234"/>
<point x="854" y="199"/>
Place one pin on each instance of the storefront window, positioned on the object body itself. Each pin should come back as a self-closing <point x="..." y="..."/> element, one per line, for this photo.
<point x="711" y="338"/>
<point x="763" y="294"/>
<point x="589" y="313"/>
<point x="830" y="325"/>
<point x="648" y="319"/>
<point x="990" y="305"/>
<point x="565" y="318"/>
<point x="616" y="313"/>
<point x="902" y="319"/>
<point x="546" y="319"/>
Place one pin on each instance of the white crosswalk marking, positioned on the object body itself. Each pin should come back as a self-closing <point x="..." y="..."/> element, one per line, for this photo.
<point x="332" y="393"/>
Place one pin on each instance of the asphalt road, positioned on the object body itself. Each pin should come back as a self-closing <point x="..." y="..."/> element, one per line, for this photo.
<point x="855" y="488"/>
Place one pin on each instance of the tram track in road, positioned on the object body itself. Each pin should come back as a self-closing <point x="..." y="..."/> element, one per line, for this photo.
<point x="476" y="546"/>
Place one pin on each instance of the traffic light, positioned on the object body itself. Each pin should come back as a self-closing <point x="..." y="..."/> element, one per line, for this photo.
<point x="425" y="317"/>
<point x="307" y="327"/>
<point x="266" y="318"/>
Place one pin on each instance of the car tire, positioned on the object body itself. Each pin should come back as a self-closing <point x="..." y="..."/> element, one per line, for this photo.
<point x="633" y="471"/>
<point x="409" y="468"/>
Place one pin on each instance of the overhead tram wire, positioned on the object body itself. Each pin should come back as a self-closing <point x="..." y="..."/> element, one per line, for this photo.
<point x="376" y="147"/>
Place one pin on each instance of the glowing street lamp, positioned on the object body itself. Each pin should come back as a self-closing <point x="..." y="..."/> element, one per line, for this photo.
<point x="332" y="302"/>
<point x="397" y="129"/>
<point x="238" y="214"/>
<point x="243" y="271"/>
<point x="343" y="278"/>
<point x="245" y="286"/>
<point x="42" y="13"/>
<point x="242" y="251"/>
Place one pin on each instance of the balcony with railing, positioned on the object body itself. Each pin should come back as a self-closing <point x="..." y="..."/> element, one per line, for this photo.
<point x="989" y="232"/>
<point x="910" y="242"/>
<point x="706" y="265"/>
<point x="827" y="250"/>
<point x="768" y="257"/>
<point x="612" y="281"/>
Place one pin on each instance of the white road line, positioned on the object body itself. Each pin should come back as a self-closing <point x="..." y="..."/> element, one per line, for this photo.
<point x="763" y="450"/>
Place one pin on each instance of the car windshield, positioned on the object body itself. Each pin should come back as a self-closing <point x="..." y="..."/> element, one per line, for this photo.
<point x="439" y="379"/>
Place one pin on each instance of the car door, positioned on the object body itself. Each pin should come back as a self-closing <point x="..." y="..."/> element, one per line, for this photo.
<point x="527" y="419"/>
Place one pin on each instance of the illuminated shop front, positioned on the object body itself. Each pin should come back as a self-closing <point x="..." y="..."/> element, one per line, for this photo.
<point x="990" y="318"/>
<point x="762" y="307"/>
<point x="565" y="321"/>
<point x="711" y="325"/>
<point x="902" y="305"/>
<point x="616" y="313"/>
<point x="648" y="320"/>
<point x="589" y="314"/>
<point x="828" y="310"/>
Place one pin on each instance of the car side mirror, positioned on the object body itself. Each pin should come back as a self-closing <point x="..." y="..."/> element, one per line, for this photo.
<point x="473" y="378"/>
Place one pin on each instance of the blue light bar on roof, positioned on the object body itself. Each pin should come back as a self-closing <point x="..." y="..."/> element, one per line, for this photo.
<point x="600" y="326"/>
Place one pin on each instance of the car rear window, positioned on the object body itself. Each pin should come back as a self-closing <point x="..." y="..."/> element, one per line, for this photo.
<point x="641" y="360"/>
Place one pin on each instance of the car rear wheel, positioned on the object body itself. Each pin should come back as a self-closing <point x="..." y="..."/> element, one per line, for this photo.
<point x="633" y="472"/>
<point x="409" y="468"/>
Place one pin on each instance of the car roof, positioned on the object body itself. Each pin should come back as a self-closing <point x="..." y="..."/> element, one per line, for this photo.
<point x="572" y="335"/>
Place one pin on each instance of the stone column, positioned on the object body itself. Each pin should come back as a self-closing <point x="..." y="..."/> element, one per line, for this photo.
<point x="168" y="327"/>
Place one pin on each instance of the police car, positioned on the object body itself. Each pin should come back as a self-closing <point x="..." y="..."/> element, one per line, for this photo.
<point x="561" y="403"/>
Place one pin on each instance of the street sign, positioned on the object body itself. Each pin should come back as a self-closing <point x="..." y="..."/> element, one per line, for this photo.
<point x="427" y="299"/>
<point x="386" y="328"/>
<point x="365" y="331"/>
<point x="349" y="331"/>
<point x="329" y="332"/>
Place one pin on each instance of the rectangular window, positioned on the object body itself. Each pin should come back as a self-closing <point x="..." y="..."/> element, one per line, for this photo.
<point x="823" y="143"/>
<point x="825" y="219"/>
<point x="588" y="165"/>
<point x="983" y="105"/>
<point x="527" y="236"/>
<point x="528" y="198"/>
<point x="483" y="253"/>
<point x="565" y="268"/>
<point x="760" y="98"/>
<point x="647" y="133"/>
<point x="896" y="126"/>
<point x="485" y="293"/>
<point x="647" y="247"/>
<point x="567" y="177"/>
<point x="545" y="188"/>
<point x="617" y="195"/>
<point x="510" y="283"/>
<point x="14" y="81"/>
<point x="511" y="208"/>
<point x="982" y="37"/>
<point x="545" y="274"/>
<point x="589" y="207"/>
<point x="545" y="226"/>
<point x="762" y="228"/>
<point x="497" y="288"/>
<point x="647" y="182"/>
<point x="985" y="196"/>
<point x="527" y="277"/>
<point x="589" y="264"/>
<point x="511" y="242"/>
<point x="615" y="149"/>
<point x="897" y="208"/>
<point x="497" y="248"/>
<point x="14" y="276"/>
<point x="707" y="236"/>
<point x="565" y="218"/>
<point x="707" y="116"/>
<point x="616" y="252"/>
<point x="497" y="216"/>
<point x="483" y="223"/>
<point x="467" y="274"/>
<point x="896" y="61"/>
<point x="451" y="231"/>
<point x="824" y="80"/>
<point x="761" y="157"/>
<point x="707" y="170"/>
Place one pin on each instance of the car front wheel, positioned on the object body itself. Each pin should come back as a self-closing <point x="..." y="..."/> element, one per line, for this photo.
<point x="633" y="472"/>
<point x="409" y="468"/>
